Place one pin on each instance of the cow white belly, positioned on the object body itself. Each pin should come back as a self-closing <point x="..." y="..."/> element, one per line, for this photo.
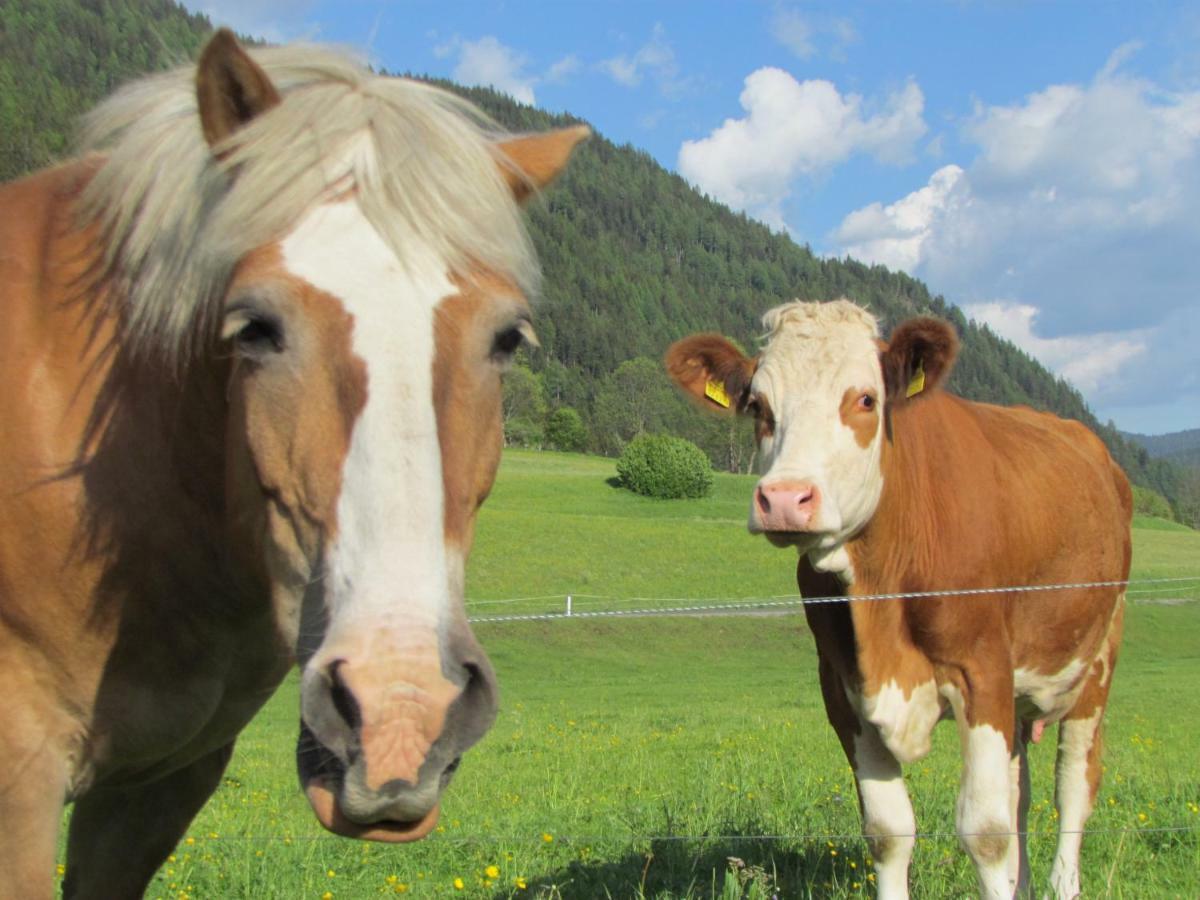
<point x="1050" y="696"/>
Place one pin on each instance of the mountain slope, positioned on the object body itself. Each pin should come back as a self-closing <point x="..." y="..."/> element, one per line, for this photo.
<point x="1182" y="447"/>
<point x="633" y="257"/>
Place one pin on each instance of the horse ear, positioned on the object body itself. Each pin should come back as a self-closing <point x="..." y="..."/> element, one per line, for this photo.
<point x="533" y="161"/>
<point x="711" y="371"/>
<point x="918" y="358"/>
<point x="231" y="89"/>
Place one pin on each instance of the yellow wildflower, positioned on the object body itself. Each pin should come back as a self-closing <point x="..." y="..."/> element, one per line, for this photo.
<point x="547" y="837"/>
<point x="492" y="871"/>
<point x="458" y="884"/>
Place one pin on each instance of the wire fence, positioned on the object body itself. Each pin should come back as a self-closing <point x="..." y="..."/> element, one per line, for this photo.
<point x="552" y="607"/>
<point x="597" y="606"/>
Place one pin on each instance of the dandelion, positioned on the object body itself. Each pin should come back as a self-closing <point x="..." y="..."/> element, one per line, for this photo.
<point x="547" y="838"/>
<point x="492" y="871"/>
<point x="61" y="869"/>
<point x="401" y="888"/>
<point x="458" y="884"/>
<point x="189" y="841"/>
<point x="391" y="879"/>
<point x="328" y="895"/>
<point x="519" y="881"/>
<point x="1142" y="817"/>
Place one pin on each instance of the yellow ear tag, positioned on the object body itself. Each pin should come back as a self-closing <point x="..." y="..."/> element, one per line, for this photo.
<point x="715" y="391"/>
<point x="918" y="380"/>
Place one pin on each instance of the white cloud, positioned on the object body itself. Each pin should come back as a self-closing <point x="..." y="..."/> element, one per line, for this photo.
<point x="655" y="58"/>
<point x="277" y="21"/>
<point x="794" y="129"/>
<point x="1089" y="361"/>
<point x="491" y="63"/>
<point x="793" y="30"/>
<point x="893" y="235"/>
<point x="563" y="69"/>
<point x="487" y="61"/>
<point x="1082" y="203"/>
<point x="799" y="33"/>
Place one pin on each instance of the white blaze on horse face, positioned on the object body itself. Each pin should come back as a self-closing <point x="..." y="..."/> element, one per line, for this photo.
<point x="805" y="374"/>
<point x="387" y="566"/>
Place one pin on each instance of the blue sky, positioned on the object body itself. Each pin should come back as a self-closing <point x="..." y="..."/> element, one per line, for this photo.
<point x="1036" y="163"/>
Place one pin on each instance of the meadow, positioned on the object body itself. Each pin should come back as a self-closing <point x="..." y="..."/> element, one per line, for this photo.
<point x="689" y="757"/>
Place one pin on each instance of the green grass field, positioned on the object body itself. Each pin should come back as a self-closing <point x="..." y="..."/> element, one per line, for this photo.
<point x="635" y="757"/>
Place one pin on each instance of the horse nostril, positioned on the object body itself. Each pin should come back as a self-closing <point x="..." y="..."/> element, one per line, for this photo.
<point x="343" y="700"/>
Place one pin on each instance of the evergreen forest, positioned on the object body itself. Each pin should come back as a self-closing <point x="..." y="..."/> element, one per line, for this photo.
<point x="633" y="257"/>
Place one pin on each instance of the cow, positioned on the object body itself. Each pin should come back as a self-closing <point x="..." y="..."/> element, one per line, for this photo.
<point x="886" y="483"/>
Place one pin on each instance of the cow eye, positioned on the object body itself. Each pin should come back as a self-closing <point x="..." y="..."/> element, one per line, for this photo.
<point x="866" y="402"/>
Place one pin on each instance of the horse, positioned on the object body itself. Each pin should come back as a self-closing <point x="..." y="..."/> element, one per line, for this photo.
<point x="252" y="355"/>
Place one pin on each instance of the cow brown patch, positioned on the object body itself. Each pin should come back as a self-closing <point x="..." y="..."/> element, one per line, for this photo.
<point x="859" y="411"/>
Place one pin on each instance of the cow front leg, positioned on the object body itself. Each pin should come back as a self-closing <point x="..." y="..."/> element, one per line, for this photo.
<point x="889" y="825"/>
<point x="120" y="836"/>
<point x="983" y="709"/>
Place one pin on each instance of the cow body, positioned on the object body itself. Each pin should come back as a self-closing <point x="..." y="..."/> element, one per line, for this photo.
<point x="946" y="494"/>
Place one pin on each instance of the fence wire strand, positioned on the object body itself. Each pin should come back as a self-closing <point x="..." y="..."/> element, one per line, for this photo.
<point x="685" y="606"/>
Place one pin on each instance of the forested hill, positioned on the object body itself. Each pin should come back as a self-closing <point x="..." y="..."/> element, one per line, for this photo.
<point x="633" y="257"/>
<point x="1179" y="446"/>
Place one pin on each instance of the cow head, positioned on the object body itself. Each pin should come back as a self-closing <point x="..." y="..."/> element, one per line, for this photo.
<point x="821" y="393"/>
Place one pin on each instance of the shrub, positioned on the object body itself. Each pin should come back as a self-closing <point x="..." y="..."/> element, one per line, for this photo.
<point x="666" y="467"/>
<point x="1151" y="503"/>
<point x="565" y="430"/>
<point x="522" y="432"/>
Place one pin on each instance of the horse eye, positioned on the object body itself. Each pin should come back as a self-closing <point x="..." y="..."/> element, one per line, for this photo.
<point x="260" y="334"/>
<point x="508" y="340"/>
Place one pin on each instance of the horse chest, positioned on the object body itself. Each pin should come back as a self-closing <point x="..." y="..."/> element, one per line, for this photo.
<point x="151" y="720"/>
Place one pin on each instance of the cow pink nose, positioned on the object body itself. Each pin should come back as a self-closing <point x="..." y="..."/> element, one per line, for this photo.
<point x="786" y="505"/>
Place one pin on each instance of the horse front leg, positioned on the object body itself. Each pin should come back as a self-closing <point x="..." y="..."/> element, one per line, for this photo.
<point x="32" y="789"/>
<point x="120" y="836"/>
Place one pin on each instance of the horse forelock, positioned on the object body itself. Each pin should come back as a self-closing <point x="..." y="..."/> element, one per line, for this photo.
<point x="175" y="218"/>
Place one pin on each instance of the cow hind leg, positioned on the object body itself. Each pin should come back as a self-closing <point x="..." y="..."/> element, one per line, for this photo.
<point x="1018" y="789"/>
<point x="119" y="837"/>
<point x="1077" y="767"/>
<point x="1077" y="779"/>
<point x="889" y="825"/>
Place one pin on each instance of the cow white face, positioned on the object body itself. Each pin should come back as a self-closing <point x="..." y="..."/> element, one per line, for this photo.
<point x="816" y="395"/>
<point x="820" y="393"/>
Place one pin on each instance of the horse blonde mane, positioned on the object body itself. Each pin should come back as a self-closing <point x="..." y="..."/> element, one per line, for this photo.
<point x="175" y="217"/>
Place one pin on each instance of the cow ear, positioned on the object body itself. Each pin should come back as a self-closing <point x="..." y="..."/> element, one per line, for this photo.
<point x="712" y="371"/>
<point x="532" y="161"/>
<point x="231" y="88"/>
<point x="918" y="358"/>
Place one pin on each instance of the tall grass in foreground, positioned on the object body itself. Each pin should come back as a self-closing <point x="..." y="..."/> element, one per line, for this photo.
<point x="690" y="757"/>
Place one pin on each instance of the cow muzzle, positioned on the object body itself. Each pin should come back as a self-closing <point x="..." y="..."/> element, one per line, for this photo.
<point x="785" y="507"/>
